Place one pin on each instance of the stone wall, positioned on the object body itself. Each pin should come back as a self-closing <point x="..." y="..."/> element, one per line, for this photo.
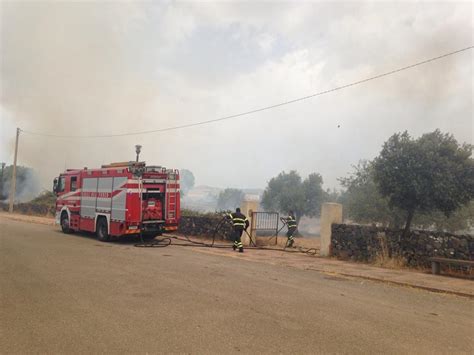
<point x="205" y="226"/>
<point x="365" y="243"/>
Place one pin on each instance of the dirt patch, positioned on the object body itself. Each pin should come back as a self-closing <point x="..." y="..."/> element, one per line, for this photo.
<point x="30" y="219"/>
<point x="334" y="278"/>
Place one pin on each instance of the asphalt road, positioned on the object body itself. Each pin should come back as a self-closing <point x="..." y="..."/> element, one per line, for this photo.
<point x="73" y="294"/>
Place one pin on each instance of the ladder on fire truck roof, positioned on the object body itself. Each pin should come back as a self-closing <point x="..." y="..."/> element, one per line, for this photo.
<point x="124" y="164"/>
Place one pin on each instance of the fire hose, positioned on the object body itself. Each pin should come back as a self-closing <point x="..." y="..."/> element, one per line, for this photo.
<point x="166" y="240"/>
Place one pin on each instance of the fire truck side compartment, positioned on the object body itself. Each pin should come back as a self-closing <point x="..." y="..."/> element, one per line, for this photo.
<point x="132" y="198"/>
<point x="119" y="197"/>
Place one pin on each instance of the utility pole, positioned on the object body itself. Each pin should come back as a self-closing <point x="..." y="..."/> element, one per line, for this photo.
<point x="1" y="182"/>
<point x="13" y="184"/>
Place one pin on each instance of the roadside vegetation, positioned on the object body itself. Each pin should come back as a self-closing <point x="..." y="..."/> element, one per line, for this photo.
<point x="425" y="183"/>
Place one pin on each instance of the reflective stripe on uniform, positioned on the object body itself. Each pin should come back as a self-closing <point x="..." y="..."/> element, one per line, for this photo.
<point x="236" y="221"/>
<point x="239" y="221"/>
<point x="291" y="222"/>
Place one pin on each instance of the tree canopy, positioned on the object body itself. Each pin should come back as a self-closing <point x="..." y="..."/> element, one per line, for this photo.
<point x="362" y="200"/>
<point x="288" y="192"/>
<point x="229" y="199"/>
<point x="186" y="180"/>
<point x="431" y="173"/>
<point x="363" y="203"/>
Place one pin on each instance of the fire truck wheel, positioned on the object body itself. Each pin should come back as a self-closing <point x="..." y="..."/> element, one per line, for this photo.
<point x="102" y="232"/>
<point x="65" y="223"/>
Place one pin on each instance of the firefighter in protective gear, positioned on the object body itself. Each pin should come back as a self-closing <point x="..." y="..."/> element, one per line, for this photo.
<point x="240" y="223"/>
<point x="291" y="223"/>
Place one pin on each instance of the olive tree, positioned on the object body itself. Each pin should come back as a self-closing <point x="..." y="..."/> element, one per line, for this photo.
<point x="288" y="192"/>
<point x="186" y="180"/>
<point x="229" y="199"/>
<point x="362" y="200"/>
<point x="431" y="173"/>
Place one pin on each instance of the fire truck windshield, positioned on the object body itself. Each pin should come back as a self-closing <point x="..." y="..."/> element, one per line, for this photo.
<point x="61" y="185"/>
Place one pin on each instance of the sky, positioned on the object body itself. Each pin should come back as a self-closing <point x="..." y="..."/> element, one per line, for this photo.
<point x="98" y="68"/>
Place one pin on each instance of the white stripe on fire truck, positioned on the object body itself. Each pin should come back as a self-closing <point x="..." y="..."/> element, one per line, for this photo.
<point x="70" y="193"/>
<point x="154" y="181"/>
<point x="72" y="198"/>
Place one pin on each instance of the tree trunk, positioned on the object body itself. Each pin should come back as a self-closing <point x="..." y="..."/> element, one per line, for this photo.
<point x="410" y="215"/>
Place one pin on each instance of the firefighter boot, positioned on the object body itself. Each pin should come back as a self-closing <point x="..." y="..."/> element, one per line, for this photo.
<point x="290" y="243"/>
<point x="241" y="249"/>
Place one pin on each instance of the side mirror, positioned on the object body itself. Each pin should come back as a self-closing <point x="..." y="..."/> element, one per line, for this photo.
<point x="55" y="185"/>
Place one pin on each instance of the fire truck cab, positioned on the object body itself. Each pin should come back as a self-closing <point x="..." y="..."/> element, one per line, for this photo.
<point x="118" y="199"/>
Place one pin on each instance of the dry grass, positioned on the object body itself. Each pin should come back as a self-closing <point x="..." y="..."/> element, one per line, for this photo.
<point x="383" y="258"/>
<point x="306" y="243"/>
<point x="396" y="262"/>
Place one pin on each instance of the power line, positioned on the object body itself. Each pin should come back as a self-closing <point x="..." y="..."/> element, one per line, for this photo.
<point x="258" y="109"/>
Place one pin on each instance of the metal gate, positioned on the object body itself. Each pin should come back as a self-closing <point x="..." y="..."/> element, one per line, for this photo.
<point x="265" y="222"/>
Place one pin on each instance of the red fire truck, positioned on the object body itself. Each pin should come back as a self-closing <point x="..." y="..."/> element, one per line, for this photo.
<point x="118" y="199"/>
